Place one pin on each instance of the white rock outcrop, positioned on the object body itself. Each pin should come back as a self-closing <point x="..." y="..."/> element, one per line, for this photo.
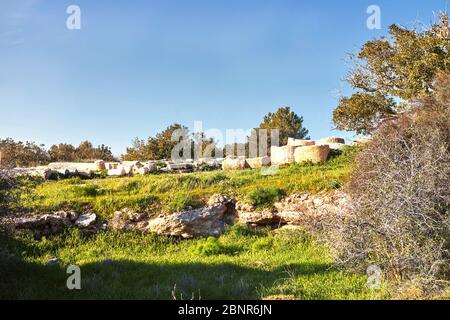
<point x="233" y="163"/>
<point x="314" y="154"/>
<point x="282" y="155"/>
<point x="257" y="163"/>
<point x="300" y="143"/>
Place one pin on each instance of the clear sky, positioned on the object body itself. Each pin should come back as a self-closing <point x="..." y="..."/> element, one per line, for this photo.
<point x="137" y="66"/>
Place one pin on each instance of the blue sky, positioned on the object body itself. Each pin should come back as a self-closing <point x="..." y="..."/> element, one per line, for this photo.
<point x="137" y="66"/>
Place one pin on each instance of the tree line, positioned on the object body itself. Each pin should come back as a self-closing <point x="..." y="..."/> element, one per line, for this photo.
<point x="286" y="121"/>
<point x="29" y="154"/>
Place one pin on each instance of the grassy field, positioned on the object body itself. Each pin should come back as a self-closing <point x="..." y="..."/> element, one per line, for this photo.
<point x="242" y="264"/>
<point x="166" y="193"/>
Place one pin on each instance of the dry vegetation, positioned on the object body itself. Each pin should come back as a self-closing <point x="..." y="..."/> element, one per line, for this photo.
<point x="399" y="213"/>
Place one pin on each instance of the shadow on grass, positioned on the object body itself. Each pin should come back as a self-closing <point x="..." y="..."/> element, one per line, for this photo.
<point x="133" y="280"/>
<point x="126" y="279"/>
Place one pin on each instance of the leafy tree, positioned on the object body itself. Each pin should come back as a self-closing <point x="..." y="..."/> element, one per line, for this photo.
<point x="86" y="151"/>
<point x="161" y="146"/>
<point x="158" y="147"/>
<point x="21" y="154"/>
<point x="66" y="152"/>
<point x="288" y="122"/>
<point x="389" y="72"/>
<point x="62" y="152"/>
<point x="362" y="112"/>
<point x="104" y="153"/>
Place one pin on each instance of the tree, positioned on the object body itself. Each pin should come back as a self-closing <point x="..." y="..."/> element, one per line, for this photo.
<point x="104" y="153"/>
<point x="62" y="152"/>
<point x="65" y="152"/>
<point x="86" y="151"/>
<point x="289" y="124"/>
<point x="21" y="154"/>
<point x="362" y="112"/>
<point x="388" y="72"/>
<point x="158" y="147"/>
<point x="161" y="146"/>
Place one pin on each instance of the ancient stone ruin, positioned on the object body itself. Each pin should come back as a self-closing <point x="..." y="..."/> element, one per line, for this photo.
<point x="296" y="151"/>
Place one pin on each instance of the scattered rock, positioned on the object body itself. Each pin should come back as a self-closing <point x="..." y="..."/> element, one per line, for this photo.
<point x="282" y="155"/>
<point x="53" y="262"/>
<point x="100" y="165"/>
<point x="86" y="220"/>
<point x="242" y="206"/>
<point x="180" y="166"/>
<point x="43" y="225"/>
<point x="233" y="164"/>
<point x="331" y="140"/>
<point x="335" y="146"/>
<point x="257" y="163"/>
<point x="264" y="218"/>
<point x="127" y="219"/>
<point x="151" y="167"/>
<point x="208" y="221"/>
<point x="218" y="199"/>
<point x="311" y="210"/>
<point x="117" y="172"/>
<point x="300" y="143"/>
<point x="314" y="154"/>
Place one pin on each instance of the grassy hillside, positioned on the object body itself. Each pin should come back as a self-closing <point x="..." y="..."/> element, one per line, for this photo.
<point x="242" y="264"/>
<point x="239" y="265"/>
<point x="173" y="192"/>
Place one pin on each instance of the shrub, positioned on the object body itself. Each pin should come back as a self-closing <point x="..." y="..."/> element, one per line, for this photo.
<point x="11" y="190"/>
<point x="265" y="197"/>
<point x="210" y="246"/>
<point x="7" y="185"/>
<point x="399" y="213"/>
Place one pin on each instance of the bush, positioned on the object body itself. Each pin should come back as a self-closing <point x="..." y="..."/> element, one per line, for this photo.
<point x="399" y="190"/>
<point x="210" y="246"/>
<point x="265" y="197"/>
<point x="12" y="188"/>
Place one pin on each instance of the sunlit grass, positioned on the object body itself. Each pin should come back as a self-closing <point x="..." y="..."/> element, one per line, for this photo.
<point x="241" y="264"/>
<point x="174" y="192"/>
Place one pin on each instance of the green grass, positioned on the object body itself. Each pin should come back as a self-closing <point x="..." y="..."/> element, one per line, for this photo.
<point x="241" y="264"/>
<point x="166" y="193"/>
